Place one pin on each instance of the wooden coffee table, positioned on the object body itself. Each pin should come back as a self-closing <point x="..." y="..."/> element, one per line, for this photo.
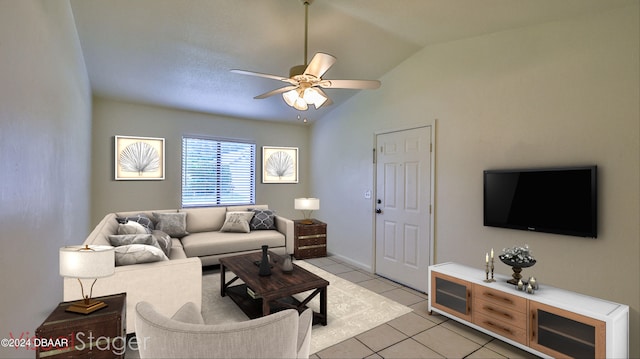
<point x="274" y="292"/>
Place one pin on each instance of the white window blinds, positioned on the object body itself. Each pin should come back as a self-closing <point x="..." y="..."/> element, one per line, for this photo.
<point x="217" y="172"/>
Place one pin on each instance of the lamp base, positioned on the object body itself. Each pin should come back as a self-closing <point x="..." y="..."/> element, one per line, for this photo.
<point x="86" y="306"/>
<point x="306" y="221"/>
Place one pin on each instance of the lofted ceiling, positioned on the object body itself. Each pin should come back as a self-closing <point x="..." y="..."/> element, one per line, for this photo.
<point x="178" y="53"/>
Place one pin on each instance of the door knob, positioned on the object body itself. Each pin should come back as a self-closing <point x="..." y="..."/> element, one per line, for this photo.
<point x="378" y="210"/>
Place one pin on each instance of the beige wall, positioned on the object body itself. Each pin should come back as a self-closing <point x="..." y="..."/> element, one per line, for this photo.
<point x="45" y="134"/>
<point x="559" y="94"/>
<point x="111" y="118"/>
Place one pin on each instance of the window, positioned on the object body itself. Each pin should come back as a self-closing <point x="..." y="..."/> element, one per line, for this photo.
<point x="217" y="172"/>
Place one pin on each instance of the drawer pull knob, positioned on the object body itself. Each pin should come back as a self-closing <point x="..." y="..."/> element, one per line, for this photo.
<point x="504" y="299"/>
<point x="493" y="310"/>
<point x="493" y="325"/>
<point x="312" y="246"/>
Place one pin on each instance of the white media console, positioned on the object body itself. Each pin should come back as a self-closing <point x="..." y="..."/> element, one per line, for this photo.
<point x="552" y="322"/>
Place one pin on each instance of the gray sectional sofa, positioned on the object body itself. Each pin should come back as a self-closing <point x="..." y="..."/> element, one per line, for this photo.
<point x="199" y="237"/>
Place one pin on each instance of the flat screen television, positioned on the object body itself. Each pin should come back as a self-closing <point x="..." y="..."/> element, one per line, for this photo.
<point x="551" y="200"/>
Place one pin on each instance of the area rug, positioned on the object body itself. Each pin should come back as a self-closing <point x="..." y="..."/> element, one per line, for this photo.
<point x="351" y="308"/>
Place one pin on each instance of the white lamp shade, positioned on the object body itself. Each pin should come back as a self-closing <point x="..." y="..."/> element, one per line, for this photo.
<point x="300" y="104"/>
<point x="307" y="204"/>
<point x="312" y="96"/>
<point x="290" y="97"/>
<point x="300" y="100"/>
<point x="83" y="262"/>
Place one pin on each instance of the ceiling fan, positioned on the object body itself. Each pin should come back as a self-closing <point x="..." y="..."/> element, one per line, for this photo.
<point x="305" y="81"/>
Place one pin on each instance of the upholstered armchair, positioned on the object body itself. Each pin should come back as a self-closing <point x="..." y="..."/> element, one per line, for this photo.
<point x="284" y="334"/>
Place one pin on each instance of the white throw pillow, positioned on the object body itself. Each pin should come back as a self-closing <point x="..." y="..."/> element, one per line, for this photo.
<point x="131" y="227"/>
<point x="138" y="253"/>
<point x="237" y="222"/>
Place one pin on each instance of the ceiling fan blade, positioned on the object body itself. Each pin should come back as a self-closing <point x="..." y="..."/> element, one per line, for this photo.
<point x="350" y="84"/>
<point x="276" y="91"/>
<point x="268" y="76"/>
<point x="319" y="64"/>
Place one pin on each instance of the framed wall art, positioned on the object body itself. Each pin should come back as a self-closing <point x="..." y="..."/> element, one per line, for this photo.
<point x="279" y="164"/>
<point x="139" y="158"/>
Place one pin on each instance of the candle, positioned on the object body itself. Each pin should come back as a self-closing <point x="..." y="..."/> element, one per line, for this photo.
<point x="486" y="258"/>
<point x="491" y="254"/>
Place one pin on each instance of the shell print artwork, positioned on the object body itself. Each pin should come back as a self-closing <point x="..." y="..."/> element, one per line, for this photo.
<point x="139" y="157"/>
<point x="280" y="164"/>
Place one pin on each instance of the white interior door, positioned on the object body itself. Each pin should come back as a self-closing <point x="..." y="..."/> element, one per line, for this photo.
<point x="403" y="196"/>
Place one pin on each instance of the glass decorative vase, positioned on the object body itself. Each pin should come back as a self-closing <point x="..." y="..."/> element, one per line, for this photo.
<point x="287" y="264"/>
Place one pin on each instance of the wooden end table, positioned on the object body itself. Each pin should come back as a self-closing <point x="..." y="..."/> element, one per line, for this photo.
<point x="101" y="334"/>
<point x="274" y="292"/>
<point x="310" y="239"/>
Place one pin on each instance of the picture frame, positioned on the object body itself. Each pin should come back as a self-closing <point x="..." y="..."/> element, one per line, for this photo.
<point x="139" y="158"/>
<point x="279" y="164"/>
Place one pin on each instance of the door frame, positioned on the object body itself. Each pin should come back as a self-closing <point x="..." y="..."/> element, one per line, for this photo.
<point x="432" y="205"/>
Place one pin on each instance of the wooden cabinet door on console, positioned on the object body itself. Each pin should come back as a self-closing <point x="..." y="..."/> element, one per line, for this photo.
<point x="564" y="334"/>
<point x="451" y="295"/>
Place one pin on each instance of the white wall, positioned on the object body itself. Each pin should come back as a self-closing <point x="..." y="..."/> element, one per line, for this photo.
<point x="45" y="128"/>
<point x="559" y="94"/>
<point x="111" y="118"/>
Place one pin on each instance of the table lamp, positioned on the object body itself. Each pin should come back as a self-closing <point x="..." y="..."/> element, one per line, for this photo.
<point x="86" y="262"/>
<point x="307" y="205"/>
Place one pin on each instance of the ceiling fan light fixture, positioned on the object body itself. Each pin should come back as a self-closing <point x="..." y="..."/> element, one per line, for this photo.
<point x="305" y="81"/>
<point x="295" y="99"/>
<point x="301" y="99"/>
<point x="313" y="96"/>
<point x="300" y="104"/>
<point x="290" y="97"/>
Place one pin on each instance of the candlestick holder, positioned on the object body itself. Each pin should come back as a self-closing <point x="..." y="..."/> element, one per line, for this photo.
<point x="492" y="268"/>
<point x="486" y="274"/>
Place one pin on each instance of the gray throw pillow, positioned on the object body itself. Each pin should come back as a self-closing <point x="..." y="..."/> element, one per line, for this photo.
<point x="138" y="253"/>
<point x="164" y="241"/>
<point x="118" y="240"/>
<point x="173" y="224"/>
<point x="262" y="219"/>
<point x="237" y="222"/>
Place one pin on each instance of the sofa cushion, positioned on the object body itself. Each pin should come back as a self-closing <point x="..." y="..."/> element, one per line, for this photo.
<point x="173" y="224"/>
<point x="210" y="243"/>
<point x="237" y="222"/>
<point x="205" y="219"/>
<point x="177" y="251"/>
<point x="262" y="219"/>
<point x="138" y="253"/>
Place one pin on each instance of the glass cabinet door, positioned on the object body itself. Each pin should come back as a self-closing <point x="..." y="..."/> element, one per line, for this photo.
<point x="565" y="334"/>
<point x="451" y="295"/>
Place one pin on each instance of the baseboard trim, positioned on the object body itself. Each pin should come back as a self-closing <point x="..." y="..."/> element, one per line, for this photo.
<point x="350" y="261"/>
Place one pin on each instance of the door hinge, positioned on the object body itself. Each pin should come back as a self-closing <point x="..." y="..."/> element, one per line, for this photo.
<point x="430" y="212"/>
<point x="374" y="156"/>
<point x="431" y="147"/>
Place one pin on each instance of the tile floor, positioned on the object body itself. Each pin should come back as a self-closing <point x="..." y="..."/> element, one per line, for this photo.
<point x="413" y="335"/>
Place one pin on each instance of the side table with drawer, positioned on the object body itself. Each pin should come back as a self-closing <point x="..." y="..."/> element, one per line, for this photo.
<point x="310" y="240"/>
<point x="101" y="334"/>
